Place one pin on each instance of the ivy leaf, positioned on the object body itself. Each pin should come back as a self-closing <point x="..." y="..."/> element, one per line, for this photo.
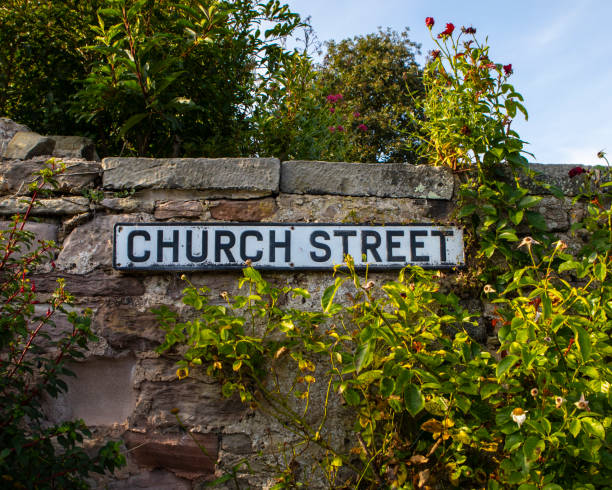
<point x="505" y="364"/>
<point x="413" y="398"/>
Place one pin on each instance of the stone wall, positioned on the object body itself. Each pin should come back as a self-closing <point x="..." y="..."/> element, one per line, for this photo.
<point x="124" y="389"/>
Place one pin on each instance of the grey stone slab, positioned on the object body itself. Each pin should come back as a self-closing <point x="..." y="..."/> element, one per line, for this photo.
<point x="27" y="144"/>
<point x="8" y="128"/>
<point x="367" y="179"/>
<point x="74" y="147"/>
<point x="16" y="175"/>
<point x="45" y="207"/>
<point x="243" y="174"/>
<point x="41" y="231"/>
<point x="558" y="175"/>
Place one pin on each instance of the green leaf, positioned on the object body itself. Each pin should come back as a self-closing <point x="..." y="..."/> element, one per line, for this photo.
<point x="574" y="427"/>
<point x="413" y="398"/>
<point x="328" y="295"/>
<point x="351" y="396"/>
<point x="533" y="447"/>
<point x="594" y="427"/>
<point x="466" y="210"/>
<point x="583" y="341"/>
<point x="505" y="364"/>
<point x="529" y="201"/>
<point x="508" y="235"/>
<point x="363" y="356"/>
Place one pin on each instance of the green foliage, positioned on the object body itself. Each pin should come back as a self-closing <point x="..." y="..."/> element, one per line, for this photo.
<point x="380" y="80"/>
<point x="42" y="58"/>
<point x="174" y="78"/>
<point x="36" y="453"/>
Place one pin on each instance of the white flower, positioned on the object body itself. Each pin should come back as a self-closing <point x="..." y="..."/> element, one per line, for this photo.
<point x="519" y="415"/>
<point x="528" y="241"/>
<point x="582" y="404"/>
<point x="488" y="289"/>
<point x="559" y="401"/>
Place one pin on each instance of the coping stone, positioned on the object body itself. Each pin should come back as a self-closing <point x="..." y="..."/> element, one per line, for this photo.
<point x="27" y="144"/>
<point x="367" y="179"/>
<point x="240" y="174"/>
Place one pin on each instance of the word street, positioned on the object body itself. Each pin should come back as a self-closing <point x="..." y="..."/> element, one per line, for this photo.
<point x="205" y="246"/>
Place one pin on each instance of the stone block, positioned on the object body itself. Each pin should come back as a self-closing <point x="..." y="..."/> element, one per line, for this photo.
<point x="252" y="210"/>
<point x="359" y="210"/>
<point x="74" y="147"/>
<point x="96" y="283"/>
<point x="101" y="394"/>
<point x="219" y="174"/>
<point x="60" y="206"/>
<point x="90" y="246"/>
<point x="127" y="205"/>
<point x="178" y="453"/>
<point x="15" y="175"/>
<point x="237" y="443"/>
<point x="8" y="128"/>
<point x="125" y="328"/>
<point x="27" y="144"/>
<point x="178" y="209"/>
<point x="367" y="179"/>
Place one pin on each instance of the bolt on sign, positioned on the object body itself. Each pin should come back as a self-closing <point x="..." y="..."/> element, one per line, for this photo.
<point x="305" y="246"/>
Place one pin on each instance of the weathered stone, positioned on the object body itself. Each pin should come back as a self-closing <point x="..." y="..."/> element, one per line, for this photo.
<point x="252" y="210"/>
<point x="128" y="205"/>
<point x="27" y="144"/>
<point x="125" y="328"/>
<point x="359" y="210"/>
<point x="91" y="245"/>
<point x="60" y="206"/>
<point x="556" y="175"/>
<point x="246" y="174"/>
<point x="178" y="209"/>
<point x="96" y="283"/>
<point x="556" y="212"/>
<point x="42" y="231"/>
<point x="101" y="393"/>
<point x="151" y="480"/>
<point x="74" y="147"/>
<point x="16" y="175"/>
<point x="175" y="452"/>
<point x="8" y="128"/>
<point x="236" y="443"/>
<point x="367" y="179"/>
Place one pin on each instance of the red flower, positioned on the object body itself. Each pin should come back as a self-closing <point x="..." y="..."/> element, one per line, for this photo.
<point x="468" y="30"/>
<point x="356" y="114"/>
<point x="434" y="54"/>
<point x="576" y="171"/>
<point x="331" y="129"/>
<point x="331" y="98"/>
<point x="340" y="128"/>
<point x="332" y="109"/>
<point x="448" y="31"/>
<point x="362" y="127"/>
<point x="508" y="69"/>
<point x="429" y="22"/>
<point x="491" y="65"/>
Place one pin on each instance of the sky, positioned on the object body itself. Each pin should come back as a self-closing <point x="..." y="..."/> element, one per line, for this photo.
<point x="561" y="54"/>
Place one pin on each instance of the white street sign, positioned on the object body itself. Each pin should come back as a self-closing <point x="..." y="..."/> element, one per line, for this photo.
<point x="207" y="246"/>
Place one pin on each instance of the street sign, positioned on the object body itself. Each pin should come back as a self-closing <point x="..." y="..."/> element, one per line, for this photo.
<point x="305" y="246"/>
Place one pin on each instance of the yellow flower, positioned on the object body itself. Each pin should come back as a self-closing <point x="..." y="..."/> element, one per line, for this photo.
<point x="182" y="373"/>
<point x="519" y="415"/>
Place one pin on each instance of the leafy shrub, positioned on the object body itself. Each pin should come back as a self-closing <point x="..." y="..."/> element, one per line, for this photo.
<point x="36" y="453"/>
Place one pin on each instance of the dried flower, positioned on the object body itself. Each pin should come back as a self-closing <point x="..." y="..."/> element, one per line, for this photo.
<point x="448" y="31"/>
<point x="488" y="289"/>
<point x="528" y="241"/>
<point x="601" y="154"/>
<point x="468" y="30"/>
<point x="534" y="392"/>
<point x="559" y="401"/>
<point x="248" y="262"/>
<point x="434" y="54"/>
<point x="183" y="277"/>
<point x="582" y="404"/>
<point x="369" y="285"/>
<point x="560" y="245"/>
<point x="508" y="69"/>
<point x="519" y="415"/>
<point x="429" y="22"/>
<point x="576" y="171"/>
<point x="224" y="295"/>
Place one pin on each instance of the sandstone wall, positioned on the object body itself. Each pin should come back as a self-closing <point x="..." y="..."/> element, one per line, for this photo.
<point x="124" y="389"/>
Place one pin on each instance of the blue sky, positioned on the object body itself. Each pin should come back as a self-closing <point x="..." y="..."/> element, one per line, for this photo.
<point x="561" y="53"/>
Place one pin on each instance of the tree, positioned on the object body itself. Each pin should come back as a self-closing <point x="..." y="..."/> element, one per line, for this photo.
<point x="378" y="76"/>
